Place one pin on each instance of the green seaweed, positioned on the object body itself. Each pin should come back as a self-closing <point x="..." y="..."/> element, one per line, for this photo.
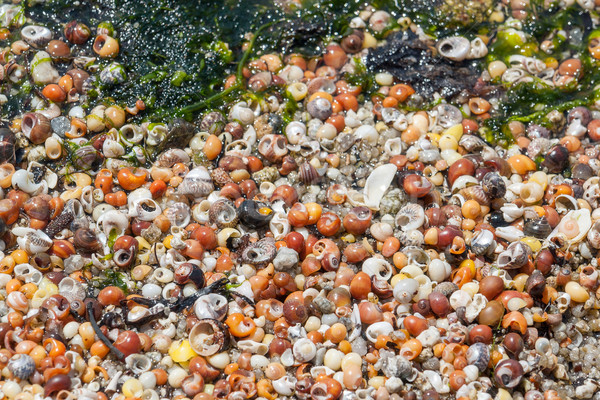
<point x="111" y="277"/>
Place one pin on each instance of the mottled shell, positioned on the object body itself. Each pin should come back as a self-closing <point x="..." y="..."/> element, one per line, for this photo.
<point x="171" y="157"/>
<point x="260" y="253"/>
<point x="213" y="123"/>
<point x="478" y="354"/>
<point x="21" y="366"/>
<point x="223" y="213"/>
<point x="493" y="185"/>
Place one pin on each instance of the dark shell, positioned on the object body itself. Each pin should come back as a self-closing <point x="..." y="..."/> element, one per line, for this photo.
<point x="223" y="213"/>
<point x="180" y="133"/>
<point x="353" y="42"/>
<point x="72" y="209"/>
<point x="557" y="159"/>
<point x="478" y="354"/>
<point x="496" y="219"/>
<point x="21" y="366"/>
<point x="7" y="145"/>
<point x="493" y="185"/>
<point x="261" y="252"/>
<point x="538" y="227"/>
<point x="582" y="171"/>
<point x="255" y="214"/>
<point x="508" y="373"/>
<point x="86" y="239"/>
<point x="535" y="284"/>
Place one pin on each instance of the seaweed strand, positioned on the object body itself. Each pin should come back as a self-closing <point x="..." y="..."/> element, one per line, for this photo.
<point x="238" y="78"/>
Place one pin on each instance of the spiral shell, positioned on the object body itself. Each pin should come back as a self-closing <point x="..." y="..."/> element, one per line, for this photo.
<point x="515" y="256"/>
<point x="308" y="174"/>
<point x="410" y="217"/>
<point x="261" y="252"/>
<point x="537" y="227"/>
<point x="223" y="213"/>
<point x="179" y="214"/>
<point x="483" y="243"/>
<point x="475" y="193"/>
<point x="209" y="337"/>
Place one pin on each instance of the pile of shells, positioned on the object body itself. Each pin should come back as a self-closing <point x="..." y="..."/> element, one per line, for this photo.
<point x="359" y="251"/>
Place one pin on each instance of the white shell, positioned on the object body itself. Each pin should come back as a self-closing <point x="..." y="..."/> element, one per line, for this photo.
<point x="378" y="328"/>
<point x="462" y="182"/>
<point x="509" y="233"/>
<point x="584" y="221"/>
<point x="377" y="184"/>
<point x="377" y="267"/>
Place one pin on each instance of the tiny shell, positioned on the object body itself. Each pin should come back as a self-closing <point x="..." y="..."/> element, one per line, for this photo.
<point x="410" y="217"/>
<point x="377" y="184"/>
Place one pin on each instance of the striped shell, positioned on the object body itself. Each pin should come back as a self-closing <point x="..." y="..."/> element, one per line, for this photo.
<point x="475" y="193"/>
<point x="538" y="227"/>
<point x="260" y="253"/>
<point x="197" y="183"/>
<point x="308" y="174"/>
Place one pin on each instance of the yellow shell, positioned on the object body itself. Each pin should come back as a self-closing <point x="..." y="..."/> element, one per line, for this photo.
<point x="456" y="131"/>
<point x="181" y="351"/>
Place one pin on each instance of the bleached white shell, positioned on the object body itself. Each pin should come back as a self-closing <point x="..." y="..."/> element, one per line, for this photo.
<point x="509" y="233"/>
<point x="462" y="182"/>
<point x="377" y="184"/>
<point x="584" y="221"/>
<point x="42" y="70"/>
<point x="378" y="328"/>
<point x="511" y="212"/>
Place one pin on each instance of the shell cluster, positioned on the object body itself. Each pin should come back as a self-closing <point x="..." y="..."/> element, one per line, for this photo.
<point x="331" y="234"/>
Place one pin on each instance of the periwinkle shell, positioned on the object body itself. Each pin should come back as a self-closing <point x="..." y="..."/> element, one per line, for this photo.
<point x="21" y="366"/>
